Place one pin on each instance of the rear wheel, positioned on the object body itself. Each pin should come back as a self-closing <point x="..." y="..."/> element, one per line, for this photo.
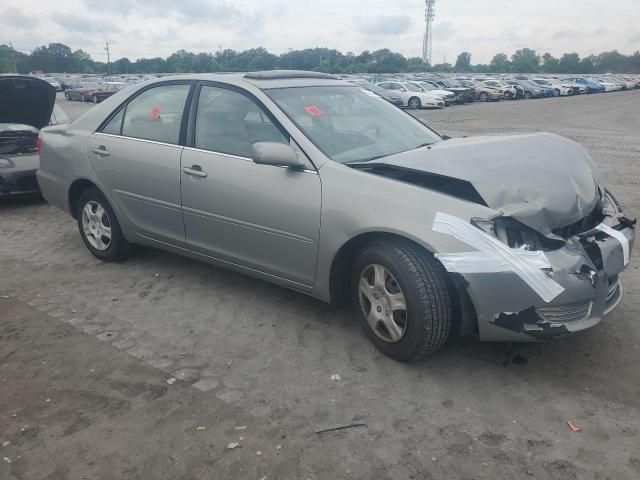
<point x="414" y="103"/>
<point x="99" y="227"/>
<point x="556" y="93"/>
<point x="483" y="97"/>
<point x="82" y="99"/>
<point x="527" y="95"/>
<point x="94" y="98"/>
<point x="67" y="96"/>
<point x="401" y="298"/>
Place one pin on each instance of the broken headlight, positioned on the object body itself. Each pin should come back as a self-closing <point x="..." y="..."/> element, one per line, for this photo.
<point x="515" y="234"/>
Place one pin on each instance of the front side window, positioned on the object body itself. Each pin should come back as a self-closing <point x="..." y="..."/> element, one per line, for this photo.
<point x="229" y="122"/>
<point x="155" y="114"/>
<point x="351" y="124"/>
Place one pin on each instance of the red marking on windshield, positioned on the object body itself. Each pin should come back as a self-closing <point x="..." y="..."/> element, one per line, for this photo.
<point x="154" y="114"/>
<point x="314" y="111"/>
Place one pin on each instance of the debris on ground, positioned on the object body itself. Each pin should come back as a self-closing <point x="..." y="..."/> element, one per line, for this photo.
<point x="278" y="447"/>
<point x="336" y="377"/>
<point x="202" y="427"/>
<point x="6" y="297"/>
<point x="259" y="452"/>
<point x="7" y="459"/>
<point x="242" y="427"/>
<point x="232" y="445"/>
<point x="573" y="426"/>
<point x="171" y="381"/>
<point x="6" y="443"/>
<point x="341" y="427"/>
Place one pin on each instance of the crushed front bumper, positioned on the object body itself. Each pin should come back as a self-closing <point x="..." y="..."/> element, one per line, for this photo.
<point x="587" y="268"/>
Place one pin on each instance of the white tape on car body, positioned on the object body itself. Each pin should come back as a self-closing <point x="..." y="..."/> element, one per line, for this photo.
<point x="493" y="256"/>
<point x="612" y="232"/>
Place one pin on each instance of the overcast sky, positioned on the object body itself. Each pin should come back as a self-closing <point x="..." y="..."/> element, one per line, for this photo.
<point x="144" y="28"/>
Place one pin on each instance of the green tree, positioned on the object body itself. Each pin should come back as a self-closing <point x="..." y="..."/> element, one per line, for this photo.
<point x="550" y="64"/>
<point x="500" y="63"/>
<point x="525" y="61"/>
<point x="569" y="63"/>
<point x="7" y="56"/>
<point x="463" y="63"/>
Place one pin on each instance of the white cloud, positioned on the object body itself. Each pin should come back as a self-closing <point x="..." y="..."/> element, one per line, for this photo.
<point x="138" y="28"/>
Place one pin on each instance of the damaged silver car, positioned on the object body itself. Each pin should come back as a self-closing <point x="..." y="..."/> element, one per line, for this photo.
<point x="324" y="187"/>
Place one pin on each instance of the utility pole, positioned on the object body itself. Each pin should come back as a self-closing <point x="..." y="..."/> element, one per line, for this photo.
<point x="290" y="50"/>
<point x="108" y="58"/>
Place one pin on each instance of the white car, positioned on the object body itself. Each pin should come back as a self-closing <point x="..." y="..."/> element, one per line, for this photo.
<point x="413" y="96"/>
<point x="609" y="85"/>
<point x="447" y="96"/>
<point x="560" y="88"/>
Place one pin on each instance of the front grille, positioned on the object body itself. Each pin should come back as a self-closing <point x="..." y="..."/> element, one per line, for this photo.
<point x="583" y="225"/>
<point x="566" y="313"/>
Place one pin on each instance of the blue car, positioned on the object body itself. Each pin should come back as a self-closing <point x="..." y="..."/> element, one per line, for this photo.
<point x="592" y="85"/>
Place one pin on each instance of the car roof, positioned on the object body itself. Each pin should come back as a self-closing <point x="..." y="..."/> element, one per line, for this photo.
<point x="265" y="80"/>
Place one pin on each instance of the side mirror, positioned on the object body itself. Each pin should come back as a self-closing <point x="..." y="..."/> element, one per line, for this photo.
<point x="277" y="154"/>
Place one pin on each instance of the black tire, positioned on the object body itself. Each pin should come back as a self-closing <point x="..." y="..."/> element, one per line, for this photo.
<point x="67" y="96"/>
<point x="422" y="280"/>
<point x="527" y="95"/>
<point x="118" y="248"/>
<point x="414" y="103"/>
<point x="556" y="93"/>
<point x="94" y="98"/>
<point x="483" y="97"/>
<point x="82" y="99"/>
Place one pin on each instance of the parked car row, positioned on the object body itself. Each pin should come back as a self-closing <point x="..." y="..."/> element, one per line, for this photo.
<point x="438" y="91"/>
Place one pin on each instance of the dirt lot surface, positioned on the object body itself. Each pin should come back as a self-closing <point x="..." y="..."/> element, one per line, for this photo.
<point x="89" y="351"/>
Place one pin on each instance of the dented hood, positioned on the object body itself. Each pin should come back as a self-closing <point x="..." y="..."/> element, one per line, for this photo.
<point x="542" y="180"/>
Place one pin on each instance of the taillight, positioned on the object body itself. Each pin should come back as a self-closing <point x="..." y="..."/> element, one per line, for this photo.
<point x="38" y="143"/>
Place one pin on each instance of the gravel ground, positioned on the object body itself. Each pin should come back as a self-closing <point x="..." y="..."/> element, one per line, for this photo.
<point x="89" y="351"/>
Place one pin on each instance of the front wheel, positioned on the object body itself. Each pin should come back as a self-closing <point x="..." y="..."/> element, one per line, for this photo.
<point x="99" y="227"/>
<point x="82" y="99"/>
<point x="483" y="97"/>
<point x="400" y="295"/>
<point x="94" y="98"/>
<point x="414" y="103"/>
<point x="527" y="95"/>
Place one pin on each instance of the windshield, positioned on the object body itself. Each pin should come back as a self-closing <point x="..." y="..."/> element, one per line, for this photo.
<point x="427" y="86"/>
<point x="412" y="88"/>
<point x="351" y="124"/>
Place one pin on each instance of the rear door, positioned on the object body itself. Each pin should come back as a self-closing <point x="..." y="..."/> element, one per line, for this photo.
<point x="136" y="156"/>
<point x="263" y="217"/>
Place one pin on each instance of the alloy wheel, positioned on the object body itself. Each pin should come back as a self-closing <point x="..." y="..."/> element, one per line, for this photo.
<point x="382" y="303"/>
<point x="96" y="225"/>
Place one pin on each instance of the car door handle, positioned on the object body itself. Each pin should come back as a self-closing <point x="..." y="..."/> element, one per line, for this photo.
<point x="102" y="151"/>
<point x="194" y="171"/>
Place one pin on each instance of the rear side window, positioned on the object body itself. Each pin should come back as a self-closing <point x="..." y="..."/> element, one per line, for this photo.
<point x="155" y="114"/>
<point x="229" y="122"/>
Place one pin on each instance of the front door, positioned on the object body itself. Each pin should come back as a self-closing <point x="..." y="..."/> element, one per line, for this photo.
<point x="136" y="156"/>
<point x="263" y="217"/>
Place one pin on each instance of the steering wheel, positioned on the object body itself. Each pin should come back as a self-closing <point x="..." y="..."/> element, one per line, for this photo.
<point x="372" y="127"/>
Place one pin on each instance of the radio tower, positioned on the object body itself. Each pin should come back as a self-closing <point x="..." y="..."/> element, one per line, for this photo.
<point x="429" y="15"/>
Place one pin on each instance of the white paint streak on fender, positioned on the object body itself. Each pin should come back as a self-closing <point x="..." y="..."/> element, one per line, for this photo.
<point x="492" y="256"/>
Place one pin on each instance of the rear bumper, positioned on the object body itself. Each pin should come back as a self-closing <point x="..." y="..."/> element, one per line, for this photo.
<point x="21" y="178"/>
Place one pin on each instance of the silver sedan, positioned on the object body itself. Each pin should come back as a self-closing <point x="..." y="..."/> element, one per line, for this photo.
<point x="324" y="187"/>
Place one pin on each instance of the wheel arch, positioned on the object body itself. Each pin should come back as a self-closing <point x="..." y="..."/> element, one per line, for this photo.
<point x="464" y="318"/>
<point x="75" y="190"/>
